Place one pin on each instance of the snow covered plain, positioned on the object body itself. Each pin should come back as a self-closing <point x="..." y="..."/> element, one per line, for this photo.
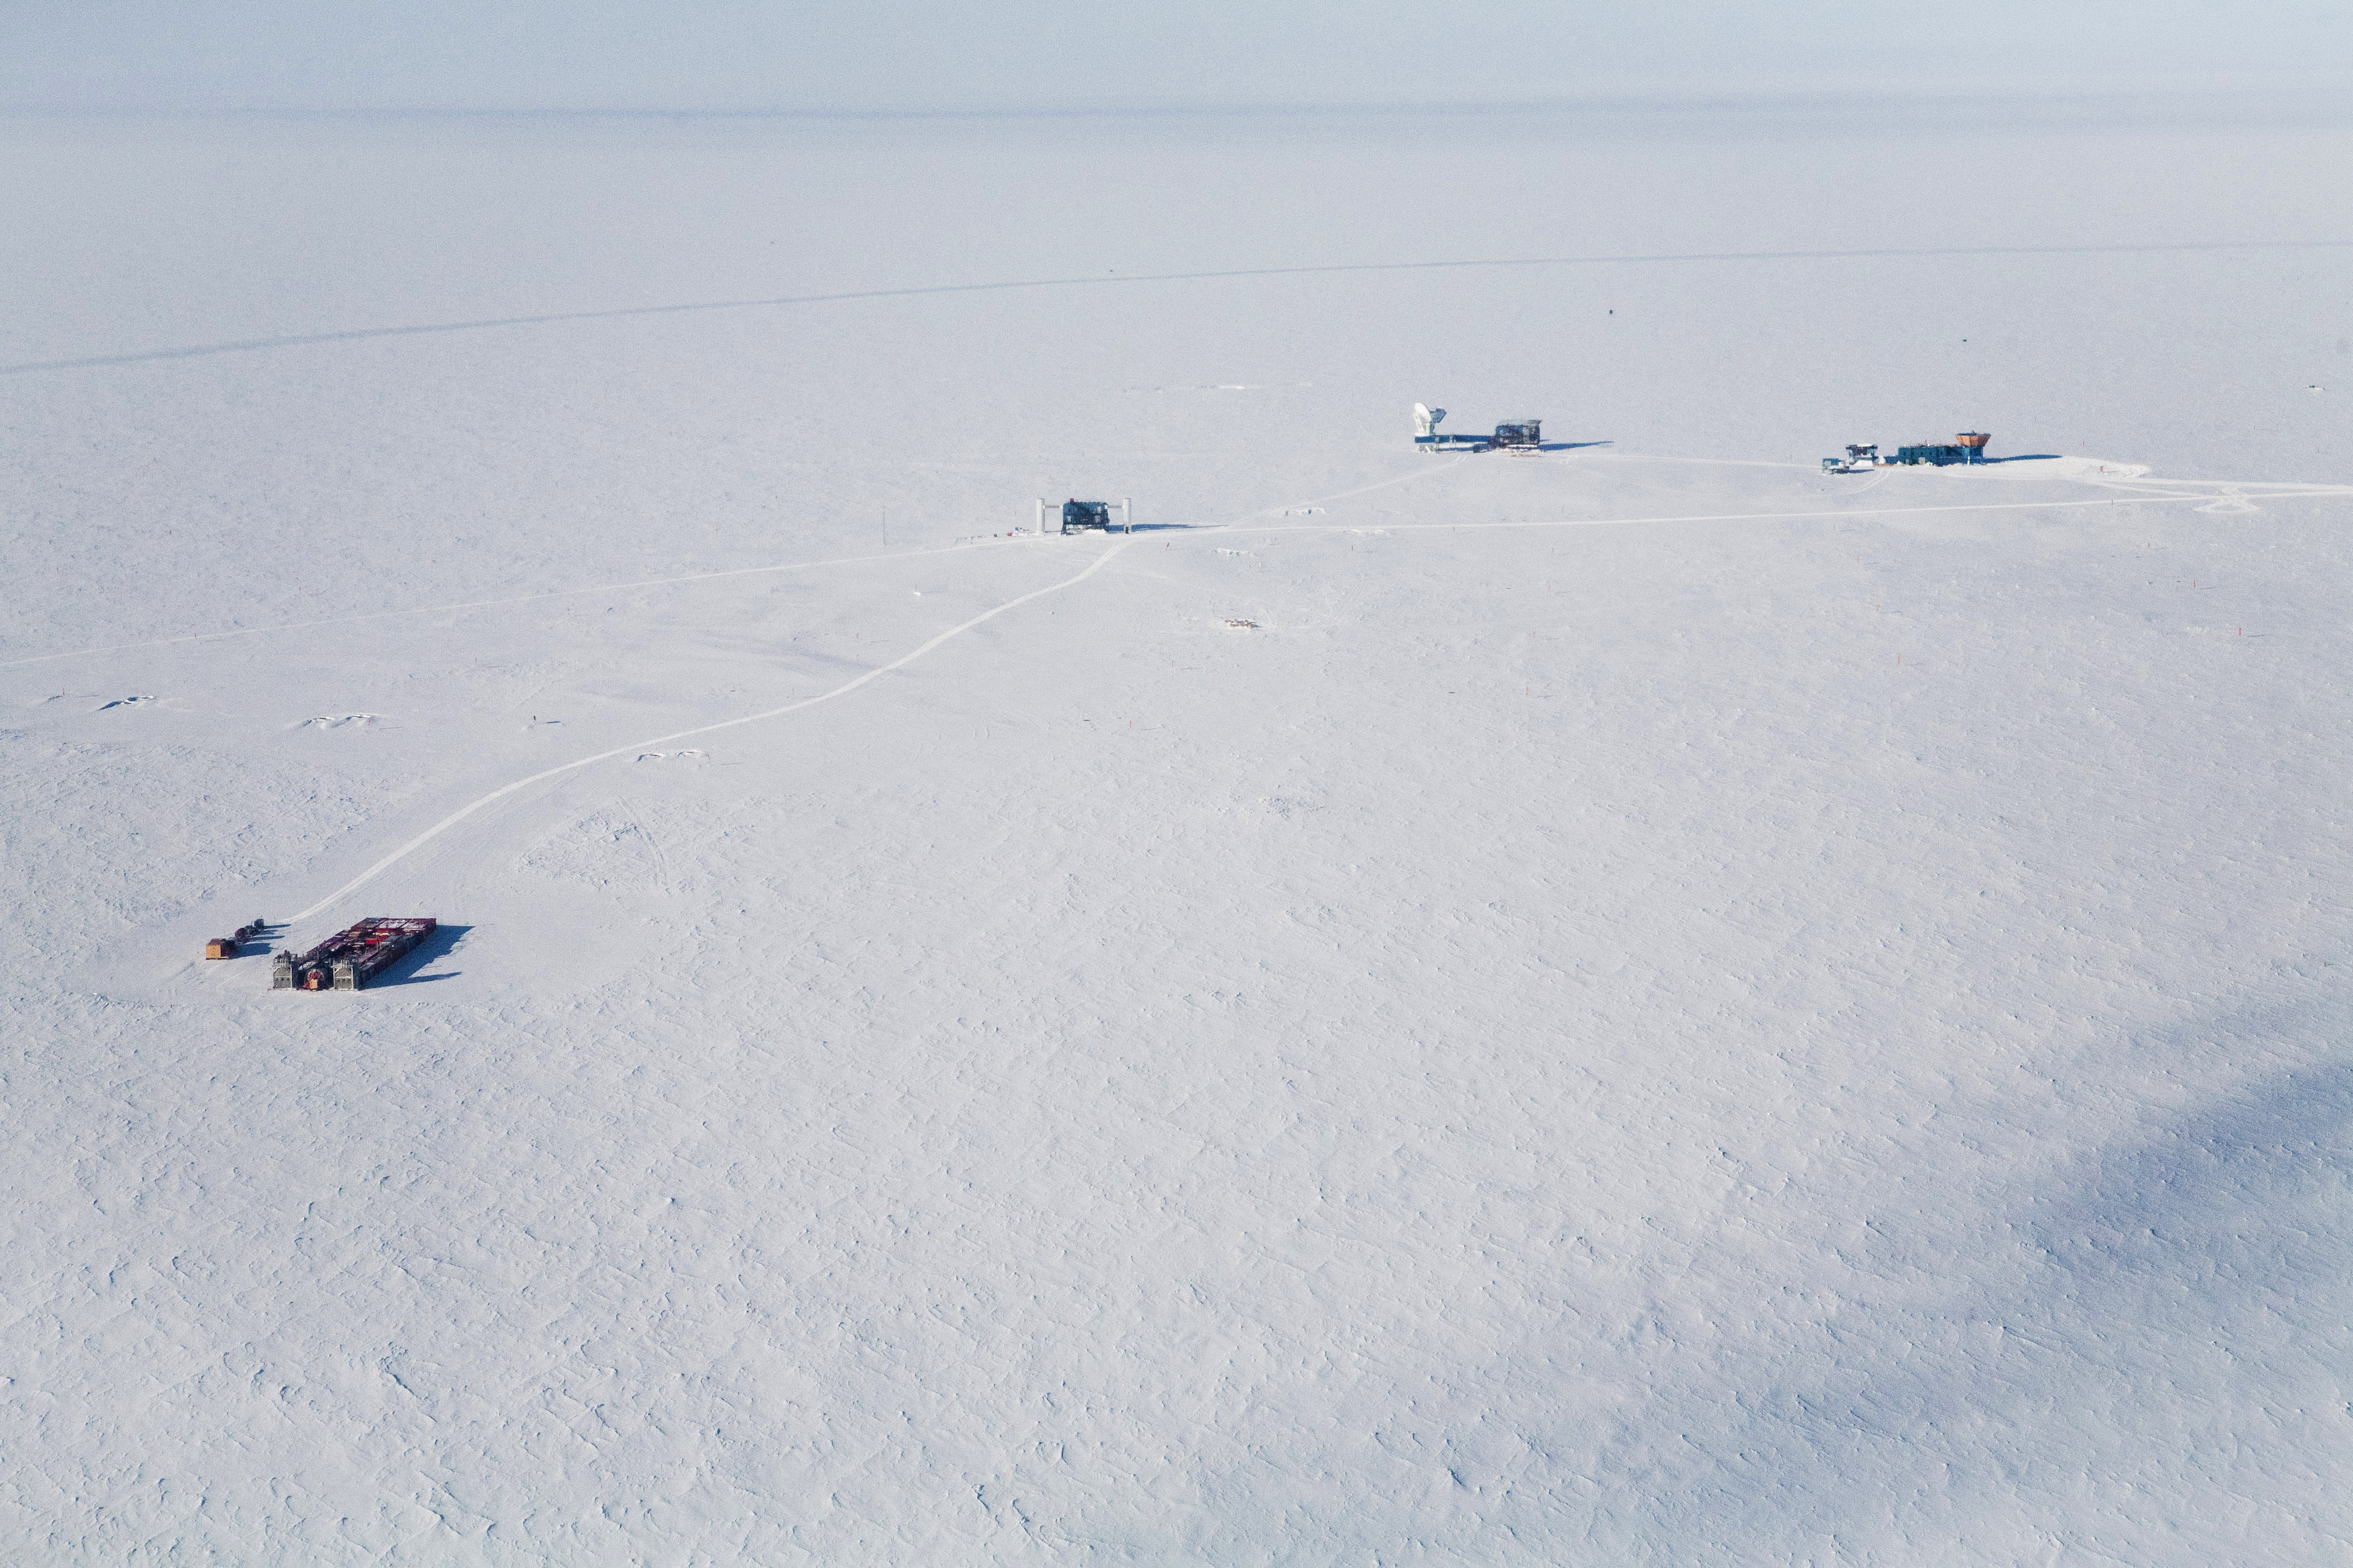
<point x="1655" y="1006"/>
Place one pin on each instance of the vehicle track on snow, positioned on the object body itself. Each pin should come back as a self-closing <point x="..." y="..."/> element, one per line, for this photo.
<point x="454" y="818"/>
<point x="2134" y="500"/>
<point x="724" y="573"/>
<point x="462" y="813"/>
<point x="842" y="690"/>
<point x="2138" y="490"/>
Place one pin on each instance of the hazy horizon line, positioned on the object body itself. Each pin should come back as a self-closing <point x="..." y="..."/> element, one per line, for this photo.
<point x="2274" y="99"/>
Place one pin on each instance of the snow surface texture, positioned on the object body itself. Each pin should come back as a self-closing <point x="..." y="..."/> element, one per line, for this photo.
<point x="1640" y="1004"/>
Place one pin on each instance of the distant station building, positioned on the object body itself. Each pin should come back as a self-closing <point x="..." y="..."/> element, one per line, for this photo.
<point x="1520" y="436"/>
<point x="1969" y="446"/>
<point x="1079" y="516"/>
<point x="1966" y="448"/>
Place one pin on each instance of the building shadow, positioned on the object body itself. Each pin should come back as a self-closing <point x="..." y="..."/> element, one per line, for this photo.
<point x="443" y="941"/>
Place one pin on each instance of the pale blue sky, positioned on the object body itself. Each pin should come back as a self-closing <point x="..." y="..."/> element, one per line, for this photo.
<point x="933" y="55"/>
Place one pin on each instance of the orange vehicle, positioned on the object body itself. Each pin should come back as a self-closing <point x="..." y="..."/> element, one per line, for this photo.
<point x="230" y="946"/>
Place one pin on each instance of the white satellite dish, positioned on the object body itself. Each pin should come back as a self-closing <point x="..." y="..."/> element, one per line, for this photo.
<point x="1425" y="421"/>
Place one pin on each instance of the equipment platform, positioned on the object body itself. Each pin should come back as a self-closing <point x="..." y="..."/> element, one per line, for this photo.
<point x="348" y="960"/>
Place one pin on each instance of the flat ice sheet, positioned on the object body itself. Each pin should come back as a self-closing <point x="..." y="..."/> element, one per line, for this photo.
<point x="1652" y="1003"/>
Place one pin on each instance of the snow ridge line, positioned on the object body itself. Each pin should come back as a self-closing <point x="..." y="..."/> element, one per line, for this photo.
<point x="252" y="345"/>
<point x="904" y="659"/>
<point x="1751" y="516"/>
